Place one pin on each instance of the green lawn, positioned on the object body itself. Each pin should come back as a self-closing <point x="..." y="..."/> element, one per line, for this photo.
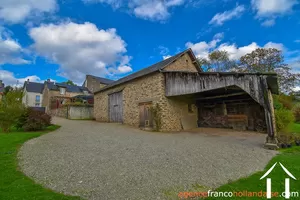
<point x="293" y="128"/>
<point x="290" y="158"/>
<point x="13" y="183"/>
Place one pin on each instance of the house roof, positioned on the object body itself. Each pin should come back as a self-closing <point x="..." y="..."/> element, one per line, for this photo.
<point x="153" y="68"/>
<point x="34" y="87"/>
<point x="102" y="80"/>
<point x="69" y="88"/>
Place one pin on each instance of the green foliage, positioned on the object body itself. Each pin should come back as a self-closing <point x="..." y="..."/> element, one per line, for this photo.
<point x="14" y="184"/>
<point x="156" y="115"/>
<point x="33" y="120"/>
<point x="296" y="112"/>
<point x="69" y="82"/>
<point x="218" y="61"/>
<point x="11" y="108"/>
<point x="283" y="118"/>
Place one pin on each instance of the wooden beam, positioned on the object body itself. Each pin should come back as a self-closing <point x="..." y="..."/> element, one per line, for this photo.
<point x="221" y="96"/>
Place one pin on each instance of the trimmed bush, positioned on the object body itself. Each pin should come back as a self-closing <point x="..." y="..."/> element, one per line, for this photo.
<point x="34" y="120"/>
<point x="283" y="118"/>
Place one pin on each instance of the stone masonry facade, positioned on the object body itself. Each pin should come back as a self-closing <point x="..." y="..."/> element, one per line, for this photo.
<point x="149" y="88"/>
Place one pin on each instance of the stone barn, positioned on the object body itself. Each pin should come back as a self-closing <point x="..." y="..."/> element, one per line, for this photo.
<point x="189" y="98"/>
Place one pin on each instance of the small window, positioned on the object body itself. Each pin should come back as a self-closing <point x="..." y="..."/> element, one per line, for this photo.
<point x="37" y="105"/>
<point x="62" y="90"/>
<point x="37" y="98"/>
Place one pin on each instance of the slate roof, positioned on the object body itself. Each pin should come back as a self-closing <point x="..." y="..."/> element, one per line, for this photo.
<point x="34" y="87"/>
<point x="102" y="80"/>
<point x="153" y="68"/>
<point x="69" y="88"/>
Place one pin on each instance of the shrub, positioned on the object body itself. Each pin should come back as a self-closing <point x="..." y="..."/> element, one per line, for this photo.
<point x="296" y="112"/>
<point x="156" y="115"/>
<point x="34" y="120"/>
<point x="285" y="100"/>
<point x="11" y="108"/>
<point x="286" y="138"/>
<point x="283" y="118"/>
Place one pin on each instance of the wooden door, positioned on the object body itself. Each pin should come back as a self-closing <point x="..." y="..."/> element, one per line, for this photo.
<point x="116" y="107"/>
<point x="146" y="120"/>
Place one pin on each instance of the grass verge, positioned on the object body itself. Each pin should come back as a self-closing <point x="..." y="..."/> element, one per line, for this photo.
<point x="14" y="185"/>
<point x="293" y="128"/>
<point x="290" y="158"/>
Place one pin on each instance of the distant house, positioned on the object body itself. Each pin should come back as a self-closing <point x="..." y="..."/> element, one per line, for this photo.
<point x="55" y="94"/>
<point x="32" y="94"/>
<point x="94" y="83"/>
<point x="1" y="89"/>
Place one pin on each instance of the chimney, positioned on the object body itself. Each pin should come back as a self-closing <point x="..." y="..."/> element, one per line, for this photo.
<point x="27" y="81"/>
<point x="48" y="80"/>
<point x="1" y="84"/>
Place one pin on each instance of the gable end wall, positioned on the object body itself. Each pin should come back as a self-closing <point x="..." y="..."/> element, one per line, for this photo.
<point x="150" y="88"/>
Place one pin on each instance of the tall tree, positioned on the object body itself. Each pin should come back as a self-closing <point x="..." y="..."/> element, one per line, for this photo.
<point x="270" y="60"/>
<point x="69" y="82"/>
<point x="217" y="61"/>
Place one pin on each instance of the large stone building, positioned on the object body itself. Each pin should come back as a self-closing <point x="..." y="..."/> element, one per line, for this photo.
<point x="188" y="97"/>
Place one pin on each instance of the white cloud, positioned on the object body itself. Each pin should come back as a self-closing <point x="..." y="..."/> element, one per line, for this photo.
<point x="270" y="7"/>
<point x="166" y="57"/>
<point x="297" y="41"/>
<point x="15" y="11"/>
<point x="163" y="50"/>
<point x="151" y="10"/>
<point x="268" y="22"/>
<point x="81" y="49"/>
<point x="220" y="18"/>
<point x="9" y="78"/>
<point x="10" y="50"/>
<point x="203" y="48"/>
<point x="124" y="69"/>
<point x="268" y="10"/>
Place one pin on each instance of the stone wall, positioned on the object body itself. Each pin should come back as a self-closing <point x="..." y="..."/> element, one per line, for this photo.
<point x="80" y="112"/>
<point x="150" y="88"/>
<point x="93" y="84"/>
<point x="146" y="89"/>
<point x="74" y="112"/>
<point x="184" y="63"/>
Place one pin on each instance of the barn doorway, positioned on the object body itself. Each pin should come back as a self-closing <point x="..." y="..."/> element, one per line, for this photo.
<point x="116" y="107"/>
<point x="146" y="121"/>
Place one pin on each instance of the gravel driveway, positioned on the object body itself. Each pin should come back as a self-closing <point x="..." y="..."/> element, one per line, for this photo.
<point x="113" y="161"/>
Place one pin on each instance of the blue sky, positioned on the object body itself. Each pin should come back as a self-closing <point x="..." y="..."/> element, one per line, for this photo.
<point x="66" y="39"/>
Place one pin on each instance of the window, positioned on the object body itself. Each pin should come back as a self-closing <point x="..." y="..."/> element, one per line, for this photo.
<point x="62" y="90"/>
<point x="37" y="98"/>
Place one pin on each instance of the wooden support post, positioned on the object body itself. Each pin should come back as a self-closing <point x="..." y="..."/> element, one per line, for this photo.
<point x="271" y="140"/>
